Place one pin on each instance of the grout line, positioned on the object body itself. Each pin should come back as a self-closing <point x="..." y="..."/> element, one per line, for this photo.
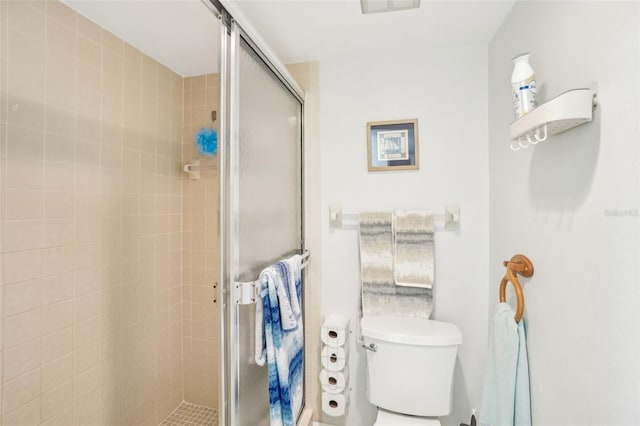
<point x="191" y="414"/>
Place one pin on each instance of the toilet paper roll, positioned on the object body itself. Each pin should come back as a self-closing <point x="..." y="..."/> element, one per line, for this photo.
<point x="333" y="337"/>
<point x="334" y="381"/>
<point x="334" y="330"/>
<point x="333" y="359"/>
<point x="335" y="404"/>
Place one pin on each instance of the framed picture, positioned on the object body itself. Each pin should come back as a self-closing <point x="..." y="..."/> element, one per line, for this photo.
<point x="392" y="145"/>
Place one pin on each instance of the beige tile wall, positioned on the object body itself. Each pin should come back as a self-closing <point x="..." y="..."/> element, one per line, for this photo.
<point x="200" y="250"/>
<point x="3" y="126"/>
<point x="91" y="224"/>
<point x="96" y="327"/>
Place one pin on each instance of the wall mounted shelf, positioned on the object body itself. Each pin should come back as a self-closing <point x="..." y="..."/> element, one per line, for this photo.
<point x="193" y="169"/>
<point x="564" y="112"/>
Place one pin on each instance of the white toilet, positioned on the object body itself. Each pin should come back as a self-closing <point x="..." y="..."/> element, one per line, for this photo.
<point x="410" y="363"/>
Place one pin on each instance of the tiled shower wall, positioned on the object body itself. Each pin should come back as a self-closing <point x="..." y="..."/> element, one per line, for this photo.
<point x="91" y="225"/>
<point x="200" y="250"/>
<point x="100" y="227"/>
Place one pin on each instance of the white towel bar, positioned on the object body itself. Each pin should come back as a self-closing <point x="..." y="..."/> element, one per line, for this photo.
<point x="448" y="221"/>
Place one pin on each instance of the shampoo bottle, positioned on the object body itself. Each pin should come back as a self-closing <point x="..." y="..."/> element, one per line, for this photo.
<point x="523" y="85"/>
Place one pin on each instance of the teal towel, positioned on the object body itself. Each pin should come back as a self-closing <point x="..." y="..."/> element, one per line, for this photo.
<point x="506" y="399"/>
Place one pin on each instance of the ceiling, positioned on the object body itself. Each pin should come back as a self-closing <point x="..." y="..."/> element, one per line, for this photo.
<point x="184" y="35"/>
<point x="299" y="31"/>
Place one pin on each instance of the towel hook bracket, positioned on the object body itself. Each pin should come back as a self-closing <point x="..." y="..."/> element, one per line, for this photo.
<point x="246" y="292"/>
<point x="521" y="264"/>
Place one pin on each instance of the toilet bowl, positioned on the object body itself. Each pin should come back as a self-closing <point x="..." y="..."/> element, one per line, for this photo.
<point x="389" y="418"/>
<point x="410" y="365"/>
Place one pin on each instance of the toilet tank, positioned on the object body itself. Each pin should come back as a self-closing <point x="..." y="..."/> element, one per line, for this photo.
<point x="411" y="369"/>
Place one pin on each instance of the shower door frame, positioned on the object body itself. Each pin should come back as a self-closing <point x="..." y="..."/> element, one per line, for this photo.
<point x="230" y="38"/>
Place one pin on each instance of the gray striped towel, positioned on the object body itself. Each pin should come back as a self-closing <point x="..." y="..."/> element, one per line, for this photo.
<point x="413" y="263"/>
<point x="380" y="295"/>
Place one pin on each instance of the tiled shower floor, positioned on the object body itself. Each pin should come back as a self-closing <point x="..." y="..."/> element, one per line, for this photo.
<point x="191" y="415"/>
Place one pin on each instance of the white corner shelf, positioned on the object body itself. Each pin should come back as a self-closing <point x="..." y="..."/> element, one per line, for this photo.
<point x="564" y="112"/>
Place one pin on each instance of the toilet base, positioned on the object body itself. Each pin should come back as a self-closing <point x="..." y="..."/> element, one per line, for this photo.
<point x="389" y="418"/>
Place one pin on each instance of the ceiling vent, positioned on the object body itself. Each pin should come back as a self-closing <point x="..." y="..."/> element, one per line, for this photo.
<point x="378" y="6"/>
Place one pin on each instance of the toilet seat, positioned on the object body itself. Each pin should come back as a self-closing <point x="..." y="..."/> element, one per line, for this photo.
<point x="389" y="418"/>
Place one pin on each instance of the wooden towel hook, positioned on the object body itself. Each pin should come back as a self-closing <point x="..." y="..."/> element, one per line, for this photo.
<point x="519" y="264"/>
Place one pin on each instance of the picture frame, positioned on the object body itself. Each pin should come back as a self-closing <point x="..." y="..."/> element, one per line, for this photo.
<point x="392" y="145"/>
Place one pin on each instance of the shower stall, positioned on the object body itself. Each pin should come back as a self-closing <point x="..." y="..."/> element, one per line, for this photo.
<point x="121" y="295"/>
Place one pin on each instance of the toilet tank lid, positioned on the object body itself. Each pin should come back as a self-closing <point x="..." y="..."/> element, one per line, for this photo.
<point x="413" y="331"/>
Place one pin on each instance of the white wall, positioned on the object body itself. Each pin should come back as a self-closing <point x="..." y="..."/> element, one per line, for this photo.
<point x="553" y="203"/>
<point x="446" y="90"/>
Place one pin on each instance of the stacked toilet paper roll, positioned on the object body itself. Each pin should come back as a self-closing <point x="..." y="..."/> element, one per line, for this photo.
<point x="335" y="404"/>
<point x="334" y="331"/>
<point x="334" y="381"/>
<point x="334" y="376"/>
<point x="332" y="358"/>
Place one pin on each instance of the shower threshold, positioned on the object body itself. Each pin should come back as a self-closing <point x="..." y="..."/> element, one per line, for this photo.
<point x="187" y="414"/>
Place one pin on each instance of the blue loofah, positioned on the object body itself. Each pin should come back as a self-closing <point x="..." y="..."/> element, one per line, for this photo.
<point x="207" y="141"/>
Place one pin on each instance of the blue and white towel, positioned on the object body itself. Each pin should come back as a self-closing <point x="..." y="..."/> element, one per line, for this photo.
<point x="506" y="398"/>
<point x="280" y="336"/>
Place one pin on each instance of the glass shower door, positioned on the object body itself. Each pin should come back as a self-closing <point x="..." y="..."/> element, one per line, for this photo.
<point x="264" y="218"/>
